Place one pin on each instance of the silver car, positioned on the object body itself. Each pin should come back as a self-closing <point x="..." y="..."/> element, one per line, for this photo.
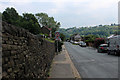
<point x="83" y="44"/>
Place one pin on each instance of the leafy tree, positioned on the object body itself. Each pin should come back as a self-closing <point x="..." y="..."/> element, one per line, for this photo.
<point x="27" y="21"/>
<point x="45" y="20"/>
<point x="11" y="16"/>
<point x="90" y="38"/>
<point x="42" y="18"/>
<point x="62" y="36"/>
<point x="30" y="23"/>
<point x="98" y="41"/>
<point x="100" y="31"/>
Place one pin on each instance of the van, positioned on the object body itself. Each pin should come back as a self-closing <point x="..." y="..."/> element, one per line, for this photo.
<point x="114" y="45"/>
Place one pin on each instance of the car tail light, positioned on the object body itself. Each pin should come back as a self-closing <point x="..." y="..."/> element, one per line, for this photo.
<point x="117" y="46"/>
<point x="102" y="47"/>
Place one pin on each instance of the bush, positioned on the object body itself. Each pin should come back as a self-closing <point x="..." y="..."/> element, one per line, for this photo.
<point x="98" y="41"/>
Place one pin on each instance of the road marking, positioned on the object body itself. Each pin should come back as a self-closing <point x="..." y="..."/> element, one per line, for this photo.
<point x="92" y="60"/>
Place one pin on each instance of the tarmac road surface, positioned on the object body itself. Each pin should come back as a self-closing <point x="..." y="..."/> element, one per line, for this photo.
<point x="91" y="64"/>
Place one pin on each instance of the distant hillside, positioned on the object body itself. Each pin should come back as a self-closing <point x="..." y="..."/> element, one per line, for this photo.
<point x="101" y="31"/>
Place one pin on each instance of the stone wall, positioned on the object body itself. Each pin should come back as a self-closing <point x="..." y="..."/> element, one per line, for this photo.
<point x="24" y="55"/>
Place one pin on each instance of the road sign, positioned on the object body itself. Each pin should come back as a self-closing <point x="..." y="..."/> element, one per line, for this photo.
<point x="57" y="35"/>
<point x="57" y="38"/>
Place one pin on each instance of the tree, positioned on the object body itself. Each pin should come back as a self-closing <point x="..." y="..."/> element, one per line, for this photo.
<point x="42" y="18"/>
<point x="10" y="15"/>
<point x="98" y="41"/>
<point x="102" y="31"/>
<point x="45" y="20"/>
<point x="62" y="36"/>
<point x="27" y="21"/>
<point x="30" y="23"/>
<point x="90" y="38"/>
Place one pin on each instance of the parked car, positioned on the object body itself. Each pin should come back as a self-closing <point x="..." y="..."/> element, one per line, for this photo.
<point x="75" y="42"/>
<point x="102" y="48"/>
<point x="71" y="41"/>
<point x="82" y="44"/>
<point x="67" y="40"/>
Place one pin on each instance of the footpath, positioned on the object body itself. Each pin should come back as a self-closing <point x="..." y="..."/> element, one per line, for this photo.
<point x="63" y="68"/>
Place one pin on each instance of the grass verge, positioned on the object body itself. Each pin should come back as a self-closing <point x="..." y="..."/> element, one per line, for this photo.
<point x="52" y="41"/>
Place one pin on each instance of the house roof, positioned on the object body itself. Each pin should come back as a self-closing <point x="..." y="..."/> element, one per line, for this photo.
<point x="113" y="36"/>
<point x="47" y="28"/>
<point x="110" y="36"/>
<point x="75" y="35"/>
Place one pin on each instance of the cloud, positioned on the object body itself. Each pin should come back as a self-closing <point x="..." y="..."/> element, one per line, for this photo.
<point x="69" y="12"/>
<point x="97" y="4"/>
<point x="4" y="5"/>
<point x="53" y="11"/>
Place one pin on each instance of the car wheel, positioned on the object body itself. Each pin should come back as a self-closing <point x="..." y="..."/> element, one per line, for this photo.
<point x="115" y="53"/>
<point x="98" y="51"/>
<point x="108" y="52"/>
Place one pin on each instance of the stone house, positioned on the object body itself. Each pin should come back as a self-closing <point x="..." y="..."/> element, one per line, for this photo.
<point x="76" y="37"/>
<point x="46" y="30"/>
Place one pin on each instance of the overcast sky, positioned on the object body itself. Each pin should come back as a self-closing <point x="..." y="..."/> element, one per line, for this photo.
<point x="69" y="13"/>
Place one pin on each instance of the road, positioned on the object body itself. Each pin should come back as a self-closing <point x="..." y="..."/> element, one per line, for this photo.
<point x="91" y="64"/>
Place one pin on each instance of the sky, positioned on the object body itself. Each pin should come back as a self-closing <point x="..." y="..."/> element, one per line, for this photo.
<point x="70" y="13"/>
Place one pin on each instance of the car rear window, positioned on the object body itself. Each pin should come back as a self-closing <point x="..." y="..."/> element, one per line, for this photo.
<point x="104" y="45"/>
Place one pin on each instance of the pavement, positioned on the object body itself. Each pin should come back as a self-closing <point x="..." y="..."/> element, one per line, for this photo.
<point x="63" y="67"/>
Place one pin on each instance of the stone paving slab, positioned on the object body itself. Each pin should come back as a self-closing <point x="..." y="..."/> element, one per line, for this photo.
<point x="61" y="57"/>
<point x="62" y="71"/>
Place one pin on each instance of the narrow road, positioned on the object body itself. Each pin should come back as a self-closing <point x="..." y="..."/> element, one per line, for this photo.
<point x="91" y="64"/>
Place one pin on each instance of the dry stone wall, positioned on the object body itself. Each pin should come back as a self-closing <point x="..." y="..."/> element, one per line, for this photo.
<point x="24" y="55"/>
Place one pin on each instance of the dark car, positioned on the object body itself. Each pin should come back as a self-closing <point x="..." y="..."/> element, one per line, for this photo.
<point x="102" y="48"/>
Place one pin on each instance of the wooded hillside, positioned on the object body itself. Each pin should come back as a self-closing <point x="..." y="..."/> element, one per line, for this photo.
<point x="100" y="31"/>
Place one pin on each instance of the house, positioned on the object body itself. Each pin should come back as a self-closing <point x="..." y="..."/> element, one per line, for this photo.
<point x="75" y="37"/>
<point x="46" y="30"/>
